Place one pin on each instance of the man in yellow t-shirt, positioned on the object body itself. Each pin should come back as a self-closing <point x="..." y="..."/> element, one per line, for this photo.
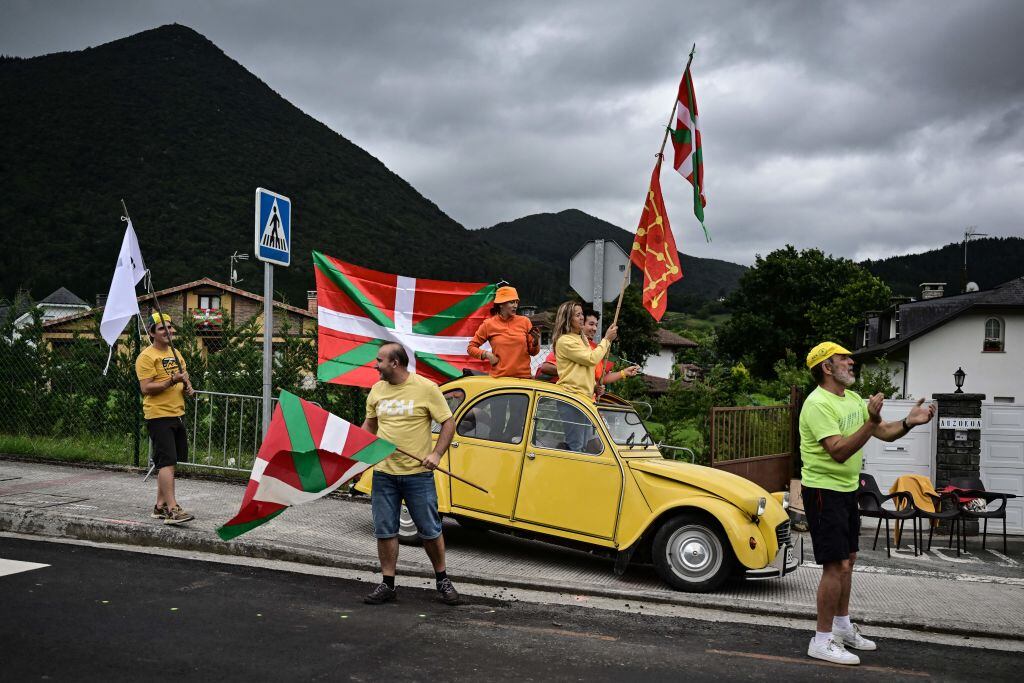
<point x="163" y="380"/>
<point x="399" y="409"/>
<point x="834" y="426"/>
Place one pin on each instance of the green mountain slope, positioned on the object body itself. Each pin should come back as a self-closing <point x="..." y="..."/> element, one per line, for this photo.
<point x="165" y="120"/>
<point x="990" y="261"/>
<point x="555" y="237"/>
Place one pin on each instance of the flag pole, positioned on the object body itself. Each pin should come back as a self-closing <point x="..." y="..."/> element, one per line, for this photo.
<point x="443" y="471"/>
<point x="156" y="302"/>
<point x="660" y="155"/>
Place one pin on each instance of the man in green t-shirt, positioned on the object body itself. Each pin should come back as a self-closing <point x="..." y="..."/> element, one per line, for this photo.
<point x="834" y="426"/>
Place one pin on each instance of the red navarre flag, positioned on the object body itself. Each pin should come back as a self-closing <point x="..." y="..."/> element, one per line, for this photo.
<point x="654" y="249"/>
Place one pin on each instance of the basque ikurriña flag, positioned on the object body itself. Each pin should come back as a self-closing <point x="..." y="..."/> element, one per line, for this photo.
<point x="359" y="309"/>
<point x="688" y="146"/>
<point x="307" y="453"/>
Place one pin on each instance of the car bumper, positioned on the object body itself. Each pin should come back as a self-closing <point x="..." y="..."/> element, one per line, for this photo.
<point x="786" y="560"/>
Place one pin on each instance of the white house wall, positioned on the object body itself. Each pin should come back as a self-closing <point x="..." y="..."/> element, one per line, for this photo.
<point x="660" y="365"/>
<point x="935" y="356"/>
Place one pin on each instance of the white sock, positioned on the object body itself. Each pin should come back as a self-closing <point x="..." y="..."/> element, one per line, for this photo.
<point x="842" y="623"/>
<point x="822" y="638"/>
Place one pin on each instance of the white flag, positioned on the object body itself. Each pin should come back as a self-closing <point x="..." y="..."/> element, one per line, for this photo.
<point x="121" y="301"/>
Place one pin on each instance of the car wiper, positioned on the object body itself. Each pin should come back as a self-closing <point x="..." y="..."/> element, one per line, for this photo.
<point x="646" y="439"/>
<point x="629" y="440"/>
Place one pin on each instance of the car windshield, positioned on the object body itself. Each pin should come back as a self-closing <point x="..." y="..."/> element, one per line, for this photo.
<point x="626" y="428"/>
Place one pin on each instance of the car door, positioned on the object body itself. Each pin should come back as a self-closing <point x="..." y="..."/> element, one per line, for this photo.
<point x="570" y="478"/>
<point x="488" y="450"/>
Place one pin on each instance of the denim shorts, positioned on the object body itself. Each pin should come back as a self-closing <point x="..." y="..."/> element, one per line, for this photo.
<point x="420" y="496"/>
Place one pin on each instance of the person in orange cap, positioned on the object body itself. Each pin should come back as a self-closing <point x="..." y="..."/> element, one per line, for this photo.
<point x="512" y="338"/>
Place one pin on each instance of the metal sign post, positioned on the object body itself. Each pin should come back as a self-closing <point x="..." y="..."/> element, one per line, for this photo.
<point x="596" y="263"/>
<point x="273" y="246"/>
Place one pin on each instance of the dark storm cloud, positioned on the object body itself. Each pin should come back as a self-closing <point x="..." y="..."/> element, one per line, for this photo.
<point x="863" y="128"/>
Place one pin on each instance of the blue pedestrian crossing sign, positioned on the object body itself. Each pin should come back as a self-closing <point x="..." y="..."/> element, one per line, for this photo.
<point x="273" y="227"/>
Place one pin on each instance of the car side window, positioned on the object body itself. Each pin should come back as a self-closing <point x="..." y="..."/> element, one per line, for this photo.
<point x="500" y="418"/>
<point x="560" y="425"/>
<point x="454" y="399"/>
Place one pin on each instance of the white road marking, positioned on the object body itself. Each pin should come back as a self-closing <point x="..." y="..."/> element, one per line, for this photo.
<point x="15" y="566"/>
<point x="1006" y="561"/>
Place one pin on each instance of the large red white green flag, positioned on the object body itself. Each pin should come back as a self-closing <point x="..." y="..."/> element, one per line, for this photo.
<point x="307" y="453"/>
<point x="686" y="141"/>
<point x="359" y="309"/>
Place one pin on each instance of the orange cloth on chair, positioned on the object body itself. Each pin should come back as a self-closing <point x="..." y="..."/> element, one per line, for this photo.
<point x="917" y="486"/>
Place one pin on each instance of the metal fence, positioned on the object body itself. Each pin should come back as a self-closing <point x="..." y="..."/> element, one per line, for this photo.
<point x="56" y="402"/>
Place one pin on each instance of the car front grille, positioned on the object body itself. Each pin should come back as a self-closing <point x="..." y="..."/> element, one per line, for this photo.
<point x="782" y="533"/>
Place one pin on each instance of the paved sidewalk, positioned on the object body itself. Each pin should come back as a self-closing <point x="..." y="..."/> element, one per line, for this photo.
<point x="113" y="506"/>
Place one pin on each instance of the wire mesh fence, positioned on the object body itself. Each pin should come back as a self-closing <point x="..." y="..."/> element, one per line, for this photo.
<point x="56" y="402"/>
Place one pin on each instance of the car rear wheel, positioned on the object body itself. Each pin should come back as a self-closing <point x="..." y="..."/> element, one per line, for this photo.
<point x="407" y="534"/>
<point x="691" y="554"/>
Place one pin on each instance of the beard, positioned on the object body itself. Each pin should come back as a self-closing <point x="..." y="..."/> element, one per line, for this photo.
<point x="844" y="376"/>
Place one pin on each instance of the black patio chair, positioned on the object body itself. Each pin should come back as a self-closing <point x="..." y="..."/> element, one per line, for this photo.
<point x="870" y="501"/>
<point x="972" y="487"/>
<point x="947" y="509"/>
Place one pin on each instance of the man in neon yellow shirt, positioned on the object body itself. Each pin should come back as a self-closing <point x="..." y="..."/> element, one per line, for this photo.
<point x="834" y="426"/>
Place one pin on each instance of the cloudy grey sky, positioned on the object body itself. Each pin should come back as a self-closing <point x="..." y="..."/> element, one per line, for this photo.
<point x="864" y="128"/>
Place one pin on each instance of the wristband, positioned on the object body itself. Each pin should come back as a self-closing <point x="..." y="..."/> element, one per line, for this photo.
<point x="906" y="427"/>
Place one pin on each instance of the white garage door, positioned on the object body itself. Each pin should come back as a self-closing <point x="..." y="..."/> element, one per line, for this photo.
<point x="913" y="454"/>
<point x="1002" y="458"/>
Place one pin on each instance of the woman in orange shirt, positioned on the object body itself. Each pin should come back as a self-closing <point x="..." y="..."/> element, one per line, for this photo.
<point x="512" y="338"/>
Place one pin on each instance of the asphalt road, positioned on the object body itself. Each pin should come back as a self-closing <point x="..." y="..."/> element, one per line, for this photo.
<point x="102" y="614"/>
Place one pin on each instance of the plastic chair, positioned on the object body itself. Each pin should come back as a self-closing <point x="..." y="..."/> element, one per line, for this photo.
<point x="974" y="488"/>
<point x="947" y="509"/>
<point x="870" y="501"/>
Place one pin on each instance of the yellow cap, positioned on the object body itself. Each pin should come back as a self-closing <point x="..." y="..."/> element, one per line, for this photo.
<point x="824" y="351"/>
<point x="155" y="319"/>
<point x="506" y="294"/>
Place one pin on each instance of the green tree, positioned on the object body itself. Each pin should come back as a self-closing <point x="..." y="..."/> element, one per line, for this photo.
<point x="793" y="300"/>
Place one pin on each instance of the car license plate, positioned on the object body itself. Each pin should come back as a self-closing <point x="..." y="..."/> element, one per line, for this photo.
<point x="790" y="556"/>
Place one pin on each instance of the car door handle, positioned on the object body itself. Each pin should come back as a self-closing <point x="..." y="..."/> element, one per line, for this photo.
<point x="531" y="456"/>
<point x="454" y="444"/>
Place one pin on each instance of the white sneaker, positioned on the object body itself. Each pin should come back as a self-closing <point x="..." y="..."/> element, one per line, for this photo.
<point x="852" y="638"/>
<point x="832" y="651"/>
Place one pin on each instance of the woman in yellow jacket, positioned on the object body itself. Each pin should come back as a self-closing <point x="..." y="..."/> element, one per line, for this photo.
<point x="575" y="361"/>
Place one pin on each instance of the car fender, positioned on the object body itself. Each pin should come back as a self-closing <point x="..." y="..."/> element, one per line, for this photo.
<point x="738" y="527"/>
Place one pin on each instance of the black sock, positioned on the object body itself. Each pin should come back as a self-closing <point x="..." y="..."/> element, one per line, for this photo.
<point x="440" y="576"/>
<point x="390" y="581"/>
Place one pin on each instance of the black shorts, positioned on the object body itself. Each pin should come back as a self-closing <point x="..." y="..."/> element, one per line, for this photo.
<point x="834" y="521"/>
<point x="170" y="443"/>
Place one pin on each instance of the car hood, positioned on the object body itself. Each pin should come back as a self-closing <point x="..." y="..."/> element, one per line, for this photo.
<point x="717" y="482"/>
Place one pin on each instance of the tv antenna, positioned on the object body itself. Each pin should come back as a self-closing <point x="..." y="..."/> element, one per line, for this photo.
<point x="970" y="232"/>
<point x="233" y="274"/>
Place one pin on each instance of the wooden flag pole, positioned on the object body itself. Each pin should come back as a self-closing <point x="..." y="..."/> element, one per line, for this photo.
<point x="156" y="302"/>
<point x="444" y="471"/>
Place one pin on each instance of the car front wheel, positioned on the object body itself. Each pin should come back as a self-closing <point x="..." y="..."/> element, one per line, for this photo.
<point x="691" y="554"/>
<point x="407" y="534"/>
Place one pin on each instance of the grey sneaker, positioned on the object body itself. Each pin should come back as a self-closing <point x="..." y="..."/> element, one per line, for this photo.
<point x="446" y="590"/>
<point x="853" y="638"/>
<point x="381" y="594"/>
<point x="160" y="512"/>
<point x="177" y="516"/>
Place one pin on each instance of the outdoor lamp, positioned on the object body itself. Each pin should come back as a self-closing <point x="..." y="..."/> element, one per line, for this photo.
<point x="958" y="377"/>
